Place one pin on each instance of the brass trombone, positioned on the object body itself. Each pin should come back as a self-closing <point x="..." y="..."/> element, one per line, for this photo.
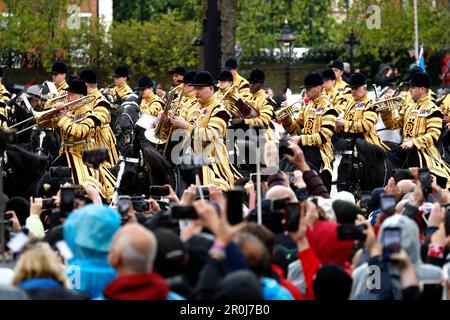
<point x="388" y="104"/>
<point x="47" y="115"/>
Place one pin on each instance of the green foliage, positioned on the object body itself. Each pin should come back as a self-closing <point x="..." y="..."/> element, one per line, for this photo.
<point x="391" y="43"/>
<point x="152" y="47"/>
<point x="260" y="21"/>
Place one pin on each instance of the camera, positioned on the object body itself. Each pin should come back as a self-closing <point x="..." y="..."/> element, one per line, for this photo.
<point x="159" y="191"/>
<point x="425" y="181"/>
<point x="292" y="217"/>
<point x="234" y="206"/>
<point x="139" y="204"/>
<point x="351" y="232"/>
<point x="184" y="212"/>
<point x="60" y="173"/>
<point x="48" y="204"/>
<point x="284" y="149"/>
<point x="95" y="157"/>
<point x="123" y="205"/>
<point x="392" y="238"/>
<point x="67" y="200"/>
<point x="204" y="190"/>
<point x="388" y="203"/>
<point x="447" y="221"/>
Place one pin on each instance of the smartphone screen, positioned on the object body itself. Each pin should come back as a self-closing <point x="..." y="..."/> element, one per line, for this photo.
<point x="392" y="238"/>
<point x="234" y="206"/>
<point x="292" y="217"/>
<point x="350" y="232"/>
<point x="123" y="205"/>
<point x="160" y="191"/>
<point x="184" y="212"/>
<point x="67" y="200"/>
<point x="388" y="203"/>
<point x="447" y="222"/>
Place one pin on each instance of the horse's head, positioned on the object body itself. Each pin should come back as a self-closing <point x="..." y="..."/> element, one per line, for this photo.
<point x="362" y="165"/>
<point x="127" y="116"/>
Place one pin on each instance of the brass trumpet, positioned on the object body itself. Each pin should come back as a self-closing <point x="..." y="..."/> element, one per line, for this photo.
<point x="47" y="115"/>
<point x="388" y="104"/>
<point x="289" y="110"/>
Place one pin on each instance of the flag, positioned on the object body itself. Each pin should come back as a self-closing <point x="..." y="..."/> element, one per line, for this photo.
<point x="421" y="59"/>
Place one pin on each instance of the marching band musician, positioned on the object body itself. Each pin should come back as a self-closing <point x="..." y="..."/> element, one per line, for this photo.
<point x="104" y="137"/>
<point x="59" y="72"/>
<point x="224" y="83"/>
<point x="421" y="121"/>
<point x="207" y="128"/>
<point x="121" y="88"/>
<point x="5" y="96"/>
<point x="77" y="129"/>
<point x="337" y="99"/>
<point x="317" y="121"/>
<point x="151" y="103"/>
<point x="360" y="116"/>
<point x="240" y="82"/>
<point x="341" y="86"/>
<point x="188" y="99"/>
<point x="262" y="106"/>
<point x="177" y="75"/>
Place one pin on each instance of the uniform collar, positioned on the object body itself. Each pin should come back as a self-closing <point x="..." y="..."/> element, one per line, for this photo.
<point x="317" y="101"/>
<point x="362" y="99"/>
<point x="211" y="101"/>
<point x="95" y="92"/>
<point x="424" y="99"/>
<point x="260" y="93"/>
<point x="189" y="95"/>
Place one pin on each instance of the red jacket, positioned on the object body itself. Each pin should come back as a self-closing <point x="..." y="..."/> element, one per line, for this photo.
<point x="286" y="283"/>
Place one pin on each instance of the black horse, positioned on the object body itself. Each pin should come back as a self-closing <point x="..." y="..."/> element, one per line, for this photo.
<point x="22" y="171"/>
<point x="42" y="141"/>
<point x="144" y="165"/>
<point x="361" y="166"/>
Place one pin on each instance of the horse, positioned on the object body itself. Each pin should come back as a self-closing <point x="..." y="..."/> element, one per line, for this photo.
<point x="144" y="165"/>
<point x="359" y="166"/>
<point x="42" y="141"/>
<point x="22" y="171"/>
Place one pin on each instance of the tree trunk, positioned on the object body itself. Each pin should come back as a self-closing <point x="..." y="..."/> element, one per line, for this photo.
<point x="228" y="12"/>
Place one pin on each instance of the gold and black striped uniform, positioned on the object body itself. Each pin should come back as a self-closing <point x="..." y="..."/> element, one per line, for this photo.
<point x="121" y="92"/>
<point x="78" y="134"/>
<point x="318" y="121"/>
<point x="61" y="87"/>
<point x="104" y="137"/>
<point x="360" y="118"/>
<point x="227" y="103"/>
<point x="342" y="87"/>
<point x="445" y="105"/>
<point x="207" y="129"/>
<point x="5" y="96"/>
<point x="421" y="122"/>
<point x="264" y="105"/>
<point x="152" y="104"/>
<point x="243" y="87"/>
<point x="337" y="99"/>
<point x="188" y="101"/>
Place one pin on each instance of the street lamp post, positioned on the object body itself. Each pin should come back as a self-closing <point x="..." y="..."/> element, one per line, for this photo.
<point x="286" y="40"/>
<point x="352" y="41"/>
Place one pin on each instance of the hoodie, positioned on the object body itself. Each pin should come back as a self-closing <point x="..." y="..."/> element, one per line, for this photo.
<point x="411" y="244"/>
<point x="143" y="286"/>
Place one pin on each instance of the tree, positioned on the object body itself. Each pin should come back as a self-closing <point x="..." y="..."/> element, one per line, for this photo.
<point x="395" y="38"/>
<point x="259" y="23"/>
<point x="228" y="13"/>
<point x="35" y="33"/>
<point x="152" y="47"/>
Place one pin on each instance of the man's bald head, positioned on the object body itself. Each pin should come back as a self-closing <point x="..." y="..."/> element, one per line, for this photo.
<point x="280" y="192"/>
<point x="133" y="250"/>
